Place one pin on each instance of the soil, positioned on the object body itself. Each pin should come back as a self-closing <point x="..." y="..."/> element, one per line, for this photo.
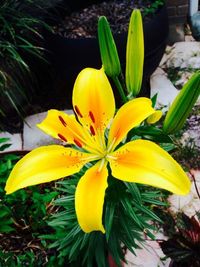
<point x="83" y="23"/>
<point x="19" y="243"/>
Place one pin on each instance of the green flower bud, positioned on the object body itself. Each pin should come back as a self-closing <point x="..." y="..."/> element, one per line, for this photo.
<point x="182" y="105"/>
<point x="135" y="54"/>
<point x="108" y="50"/>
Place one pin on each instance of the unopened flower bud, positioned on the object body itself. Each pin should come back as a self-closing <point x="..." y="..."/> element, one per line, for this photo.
<point x="182" y="105"/>
<point x="108" y="50"/>
<point x="135" y="54"/>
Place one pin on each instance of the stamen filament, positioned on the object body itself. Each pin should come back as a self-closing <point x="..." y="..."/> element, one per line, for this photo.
<point x="91" y="158"/>
<point x="111" y="157"/>
<point x="101" y="139"/>
<point x="111" y="145"/>
<point x="101" y="164"/>
<point x="82" y="139"/>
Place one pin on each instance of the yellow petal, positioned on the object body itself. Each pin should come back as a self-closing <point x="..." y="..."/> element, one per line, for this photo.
<point x="89" y="198"/>
<point x="128" y="116"/>
<point x="154" y="117"/>
<point x="145" y="162"/>
<point x="45" y="164"/>
<point x="65" y="127"/>
<point x="93" y="100"/>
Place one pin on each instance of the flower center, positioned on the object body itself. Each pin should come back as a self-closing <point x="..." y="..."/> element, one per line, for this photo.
<point x="106" y="155"/>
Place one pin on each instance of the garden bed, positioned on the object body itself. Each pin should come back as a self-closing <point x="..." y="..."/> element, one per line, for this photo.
<point x="27" y="227"/>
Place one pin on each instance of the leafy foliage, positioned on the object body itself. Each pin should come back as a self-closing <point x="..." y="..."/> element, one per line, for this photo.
<point x="22" y="218"/>
<point x="10" y="259"/>
<point x="20" y="39"/>
<point x="127" y="216"/>
<point x="27" y="204"/>
<point x="153" y="7"/>
<point x="4" y="144"/>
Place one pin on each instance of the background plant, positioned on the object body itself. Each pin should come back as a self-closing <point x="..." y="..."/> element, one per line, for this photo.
<point x="183" y="245"/>
<point x="21" y="42"/>
<point x="23" y="218"/>
<point x="153" y="7"/>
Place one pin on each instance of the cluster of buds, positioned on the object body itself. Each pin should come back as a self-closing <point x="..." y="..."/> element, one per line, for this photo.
<point x="130" y="88"/>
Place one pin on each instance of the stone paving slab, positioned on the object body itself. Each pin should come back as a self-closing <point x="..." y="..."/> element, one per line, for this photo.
<point x="161" y="85"/>
<point x="189" y="204"/>
<point x="15" y="141"/>
<point x="149" y="256"/>
<point x="182" y="55"/>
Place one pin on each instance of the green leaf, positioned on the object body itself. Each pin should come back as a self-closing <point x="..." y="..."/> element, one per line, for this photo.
<point x="152" y="133"/>
<point x="109" y="215"/>
<point x="127" y="206"/>
<point x="168" y="146"/>
<point x="3" y="147"/>
<point x="4" y="139"/>
<point x="154" y="100"/>
<point x="75" y="248"/>
<point x="147" y="211"/>
<point x="135" y="192"/>
<point x="6" y="229"/>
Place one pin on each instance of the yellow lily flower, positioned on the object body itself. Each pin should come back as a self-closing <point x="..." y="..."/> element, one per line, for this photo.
<point x="139" y="161"/>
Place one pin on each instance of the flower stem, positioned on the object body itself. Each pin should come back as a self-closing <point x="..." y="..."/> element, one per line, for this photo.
<point x="120" y="88"/>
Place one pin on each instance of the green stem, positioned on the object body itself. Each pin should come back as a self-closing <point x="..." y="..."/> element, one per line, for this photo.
<point x="120" y="89"/>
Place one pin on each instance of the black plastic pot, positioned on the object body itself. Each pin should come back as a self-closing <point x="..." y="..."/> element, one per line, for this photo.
<point x="176" y="264"/>
<point x="70" y="56"/>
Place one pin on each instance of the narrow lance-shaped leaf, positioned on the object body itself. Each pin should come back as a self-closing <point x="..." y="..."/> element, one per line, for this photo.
<point x="182" y="105"/>
<point x="135" y="54"/>
<point x="108" y="50"/>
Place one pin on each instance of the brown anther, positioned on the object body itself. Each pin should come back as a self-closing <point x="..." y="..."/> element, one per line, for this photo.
<point x="92" y="116"/>
<point x="62" y="137"/>
<point x="62" y="121"/>
<point x="92" y="130"/>
<point x="78" y="111"/>
<point x="77" y="143"/>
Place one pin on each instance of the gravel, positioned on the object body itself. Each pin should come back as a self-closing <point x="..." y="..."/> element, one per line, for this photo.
<point x="83" y="23"/>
